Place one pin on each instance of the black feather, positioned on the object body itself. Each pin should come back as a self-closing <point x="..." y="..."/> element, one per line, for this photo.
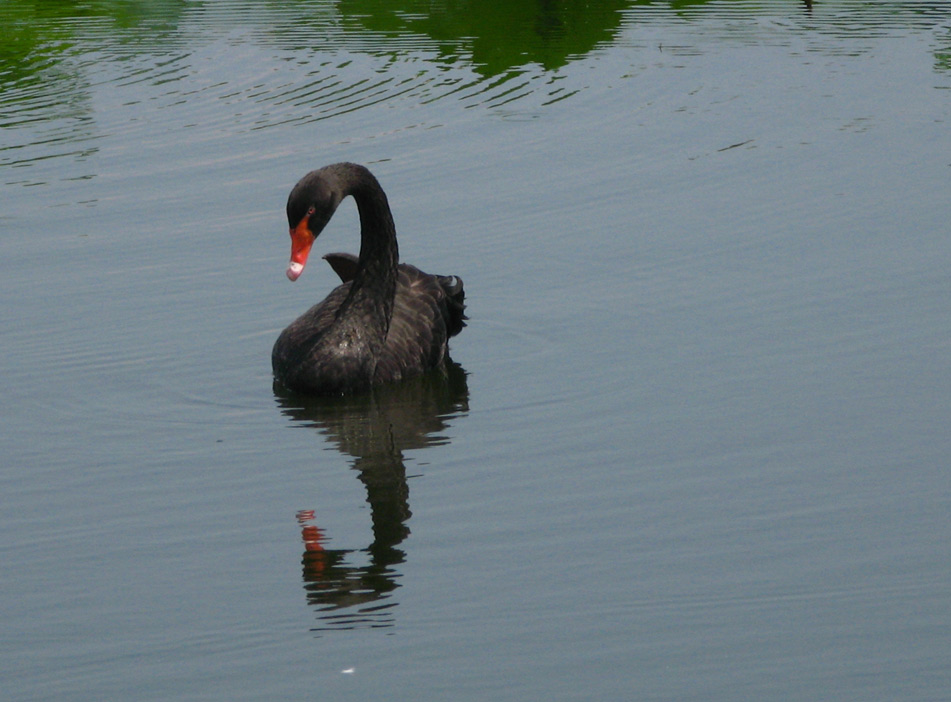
<point x="386" y="322"/>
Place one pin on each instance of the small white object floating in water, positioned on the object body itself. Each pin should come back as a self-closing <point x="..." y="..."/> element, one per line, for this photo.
<point x="348" y="671"/>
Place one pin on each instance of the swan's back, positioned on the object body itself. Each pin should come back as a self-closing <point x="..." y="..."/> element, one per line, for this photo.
<point x="427" y="311"/>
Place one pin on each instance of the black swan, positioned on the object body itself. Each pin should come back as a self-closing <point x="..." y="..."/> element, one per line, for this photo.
<point x="388" y="321"/>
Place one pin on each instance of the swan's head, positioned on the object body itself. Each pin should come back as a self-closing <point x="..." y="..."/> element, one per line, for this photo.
<point x="310" y="206"/>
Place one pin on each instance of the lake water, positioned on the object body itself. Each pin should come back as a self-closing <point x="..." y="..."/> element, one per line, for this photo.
<point x="697" y="443"/>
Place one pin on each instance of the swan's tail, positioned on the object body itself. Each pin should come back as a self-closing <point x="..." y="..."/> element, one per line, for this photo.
<point x="455" y="302"/>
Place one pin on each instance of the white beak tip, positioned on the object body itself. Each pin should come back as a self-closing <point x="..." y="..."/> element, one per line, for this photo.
<point x="294" y="269"/>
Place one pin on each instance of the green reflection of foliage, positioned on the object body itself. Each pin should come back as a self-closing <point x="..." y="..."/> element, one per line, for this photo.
<point x="943" y="60"/>
<point x="48" y="44"/>
<point x="39" y="34"/>
<point x="44" y="84"/>
<point x="499" y="34"/>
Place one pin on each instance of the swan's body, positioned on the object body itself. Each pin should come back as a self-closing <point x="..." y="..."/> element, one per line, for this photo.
<point x="387" y="321"/>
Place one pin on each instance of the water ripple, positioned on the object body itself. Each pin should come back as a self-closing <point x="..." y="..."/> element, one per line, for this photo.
<point x="71" y="77"/>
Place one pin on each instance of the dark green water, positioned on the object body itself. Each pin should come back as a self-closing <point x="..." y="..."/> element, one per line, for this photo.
<point x="697" y="444"/>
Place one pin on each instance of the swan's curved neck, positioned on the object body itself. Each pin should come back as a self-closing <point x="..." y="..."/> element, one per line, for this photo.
<point x="370" y="301"/>
<point x="379" y="252"/>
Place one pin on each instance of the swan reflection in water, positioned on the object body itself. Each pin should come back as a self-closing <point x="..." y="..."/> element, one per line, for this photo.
<point x="350" y="588"/>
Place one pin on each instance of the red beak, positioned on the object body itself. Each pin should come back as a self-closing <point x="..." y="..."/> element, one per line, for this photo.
<point x="301" y="241"/>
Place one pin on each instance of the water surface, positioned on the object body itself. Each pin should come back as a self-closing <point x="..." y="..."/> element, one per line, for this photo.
<point x="695" y="446"/>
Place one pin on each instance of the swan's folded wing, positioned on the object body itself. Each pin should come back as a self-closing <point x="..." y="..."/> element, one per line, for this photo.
<point x="344" y="265"/>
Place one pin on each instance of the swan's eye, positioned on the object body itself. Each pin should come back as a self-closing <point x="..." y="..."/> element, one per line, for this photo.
<point x="311" y="210"/>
